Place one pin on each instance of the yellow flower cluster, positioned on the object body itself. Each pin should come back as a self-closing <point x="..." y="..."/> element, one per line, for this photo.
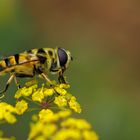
<point x="8" y="112"/>
<point x="47" y="124"/>
<point x="21" y="107"/>
<point x="60" y="126"/>
<point x="74" y="105"/>
<point x="56" y="96"/>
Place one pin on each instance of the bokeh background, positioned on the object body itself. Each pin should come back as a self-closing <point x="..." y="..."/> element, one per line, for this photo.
<point x="104" y="38"/>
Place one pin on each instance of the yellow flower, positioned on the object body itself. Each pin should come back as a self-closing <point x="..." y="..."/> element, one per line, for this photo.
<point x="46" y="115"/>
<point x="38" y="95"/>
<point x="82" y="124"/>
<point x="42" y="131"/>
<point x="67" y="134"/>
<point x="7" y="107"/>
<point x="48" y="92"/>
<point x="10" y="118"/>
<point x="23" y="92"/>
<point x="18" y="94"/>
<point x="60" y="101"/>
<point x="64" y="114"/>
<point x="28" y="91"/>
<point x="36" y="129"/>
<point x="45" y="112"/>
<point x="60" y="126"/>
<point x="60" y="90"/>
<point x="90" y="135"/>
<point x="79" y="124"/>
<point x="21" y="107"/>
<point x="65" y="86"/>
<point x="49" y="130"/>
<point x="6" y="113"/>
<point x="29" y="88"/>
<point x="49" y="125"/>
<point x="74" y="105"/>
<point x="1" y="114"/>
<point x="56" y="95"/>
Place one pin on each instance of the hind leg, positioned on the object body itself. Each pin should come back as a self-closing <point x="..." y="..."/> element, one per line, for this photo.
<point x="7" y="84"/>
<point x="17" y="82"/>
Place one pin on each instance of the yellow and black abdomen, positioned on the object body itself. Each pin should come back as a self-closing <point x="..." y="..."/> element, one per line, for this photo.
<point x="6" y="64"/>
<point x="12" y="63"/>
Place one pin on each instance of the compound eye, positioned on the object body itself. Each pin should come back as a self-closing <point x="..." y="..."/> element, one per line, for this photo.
<point x="62" y="57"/>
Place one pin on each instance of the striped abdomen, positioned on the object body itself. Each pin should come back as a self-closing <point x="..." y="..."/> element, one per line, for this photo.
<point x="10" y="63"/>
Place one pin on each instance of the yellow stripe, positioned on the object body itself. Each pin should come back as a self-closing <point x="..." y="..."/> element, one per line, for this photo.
<point x="12" y="60"/>
<point x="22" y="59"/>
<point x="3" y="64"/>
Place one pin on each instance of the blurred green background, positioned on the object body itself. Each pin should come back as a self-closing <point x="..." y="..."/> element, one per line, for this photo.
<point x="104" y="38"/>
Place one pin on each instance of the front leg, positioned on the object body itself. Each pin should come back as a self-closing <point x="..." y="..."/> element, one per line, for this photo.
<point x="61" y="78"/>
<point x="44" y="76"/>
<point x="40" y="71"/>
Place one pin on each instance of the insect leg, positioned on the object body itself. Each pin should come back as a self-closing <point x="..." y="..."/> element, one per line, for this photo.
<point x="39" y="70"/>
<point x="7" y="84"/>
<point x="61" y="78"/>
<point x="44" y="76"/>
<point x="17" y="82"/>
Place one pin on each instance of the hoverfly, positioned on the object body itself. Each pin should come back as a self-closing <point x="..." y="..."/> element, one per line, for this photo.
<point x="35" y="62"/>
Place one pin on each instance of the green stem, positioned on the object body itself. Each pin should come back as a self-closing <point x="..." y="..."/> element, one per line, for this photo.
<point x="27" y="98"/>
<point x="32" y="109"/>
